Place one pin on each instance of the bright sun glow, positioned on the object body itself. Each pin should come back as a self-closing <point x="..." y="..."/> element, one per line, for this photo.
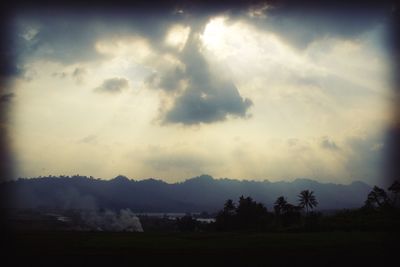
<point x="177" y="36"/>
<point x="222" y="96"/>
<point x="213" y="34"/>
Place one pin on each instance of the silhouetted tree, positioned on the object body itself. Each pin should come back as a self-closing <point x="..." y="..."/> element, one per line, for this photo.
<point x="229" y="207"/>
<point x="247" y="215"/>
<point x="307" y="200"/>
<point x="250" y="214"/>
<point x="280" y="204"/>
<point x="291" y="214"/>
<point x="290" y="208"/>
<point x="395" y="190"/>
<point x="377" y="198"/>
<point x="225" y="219"/>
<point x="286" y="214"/>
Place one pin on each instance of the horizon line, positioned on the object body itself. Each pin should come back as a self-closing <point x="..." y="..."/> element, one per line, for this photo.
<point x="188" y="179"/>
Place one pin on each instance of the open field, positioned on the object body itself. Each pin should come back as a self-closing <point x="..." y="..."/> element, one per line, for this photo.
<point x="246" y="249"/>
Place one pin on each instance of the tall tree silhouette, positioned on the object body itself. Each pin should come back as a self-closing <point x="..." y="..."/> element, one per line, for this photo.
<point x="377" y="198"/>
<point x="395" y="190"/>
<point x="307" y="200"/>
<point x="250" y="214"/>
<point x="229" y="207"/>
<point x="246" y="215"/>
<point x="280" y="205"/>
<point x="226" y="218"/>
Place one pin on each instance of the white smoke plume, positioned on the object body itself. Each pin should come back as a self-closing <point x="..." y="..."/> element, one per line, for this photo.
<point x="123" y="221"/>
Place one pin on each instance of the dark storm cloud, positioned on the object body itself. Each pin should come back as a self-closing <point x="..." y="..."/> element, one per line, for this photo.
<point x="167" y="80"/>
<point x="170" y="80"/>
<point x="302" y="22"/>
<point x="195" y="106"/>
<point x="113" y="85"/>
<point x="69" y="38"/>
<point x="208" y="98"/>
<point x="67" y="34"/>
<point x="66" y="40"/>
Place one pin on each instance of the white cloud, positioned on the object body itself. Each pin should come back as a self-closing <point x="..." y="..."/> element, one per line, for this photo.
<point x="303" y="103"/>
<point x="177" y="36"/>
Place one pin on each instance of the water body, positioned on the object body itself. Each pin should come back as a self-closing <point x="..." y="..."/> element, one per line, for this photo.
<point x="175" y="215"/>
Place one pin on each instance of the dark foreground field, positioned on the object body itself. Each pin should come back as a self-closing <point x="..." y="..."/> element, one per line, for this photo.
<point x="205" y="249"/>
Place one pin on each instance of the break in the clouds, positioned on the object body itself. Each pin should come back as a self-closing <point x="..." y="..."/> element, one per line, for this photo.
<point x="207" y="97"/>
<point x="257" y="89"/>
<point x="113" y="85"/>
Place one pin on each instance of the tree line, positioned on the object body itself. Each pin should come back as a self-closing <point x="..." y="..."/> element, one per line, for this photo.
<point x="379" y="212"/>
<point x="247" y="214"/>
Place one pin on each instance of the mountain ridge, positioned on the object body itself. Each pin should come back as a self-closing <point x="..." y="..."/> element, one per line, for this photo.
<point x="200" y="193"/>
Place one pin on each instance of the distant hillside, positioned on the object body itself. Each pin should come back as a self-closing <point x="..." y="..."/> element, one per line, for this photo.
<point x="202" y="193"/>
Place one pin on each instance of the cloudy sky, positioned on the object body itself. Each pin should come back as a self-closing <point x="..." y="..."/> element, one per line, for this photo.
<point x="252" y="92"/>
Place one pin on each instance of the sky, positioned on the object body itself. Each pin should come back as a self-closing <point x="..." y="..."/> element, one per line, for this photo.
<point x="253" y="92"/>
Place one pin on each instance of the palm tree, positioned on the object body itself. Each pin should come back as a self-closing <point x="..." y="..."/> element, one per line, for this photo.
<point x="280" y="205"/>
<point x="307" y="200"/>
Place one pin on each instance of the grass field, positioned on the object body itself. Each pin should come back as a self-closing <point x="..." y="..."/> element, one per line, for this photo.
<point x="205" y="249"/>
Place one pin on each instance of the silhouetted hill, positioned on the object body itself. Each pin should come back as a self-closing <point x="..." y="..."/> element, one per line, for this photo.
<point x="203" y="193"/>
